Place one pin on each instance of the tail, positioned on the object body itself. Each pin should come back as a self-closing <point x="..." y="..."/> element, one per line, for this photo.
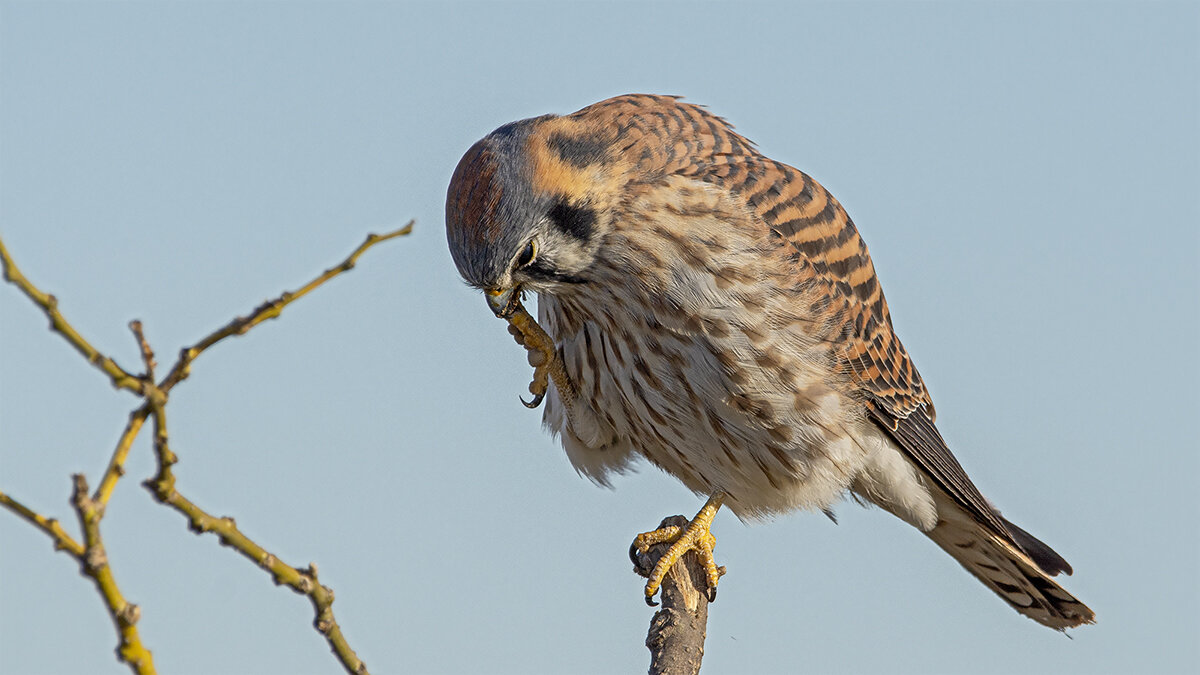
<point x="1020" y="576"/>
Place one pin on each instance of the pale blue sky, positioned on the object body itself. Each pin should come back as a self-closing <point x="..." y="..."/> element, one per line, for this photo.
<point x="1025" y="174"/>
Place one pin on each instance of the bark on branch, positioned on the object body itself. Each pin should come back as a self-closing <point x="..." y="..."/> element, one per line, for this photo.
<point x="677" y="631"/>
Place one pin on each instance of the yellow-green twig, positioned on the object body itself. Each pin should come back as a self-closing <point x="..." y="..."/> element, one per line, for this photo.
<point x="162" y="486"/>
<point x="269" y="309"/>
<point x="120" y="377"/>
<point x="116" y="464"/>
<point x="51" y="526"/>
<point x="90" y="509"/>
<point x="94" y="564"/>
<point x="144" y="347"/>
<point x="303" y="581"/>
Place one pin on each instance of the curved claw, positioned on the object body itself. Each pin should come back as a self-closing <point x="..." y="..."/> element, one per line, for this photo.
<point x="633" y="555"/>
<point x="695" y="536"/>
<point x="537" y="400"/>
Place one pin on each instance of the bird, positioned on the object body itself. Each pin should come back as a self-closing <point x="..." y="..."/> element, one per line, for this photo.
<point x="716" y="313"/>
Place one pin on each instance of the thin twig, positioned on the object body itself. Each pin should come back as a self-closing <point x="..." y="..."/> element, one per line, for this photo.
<point x="269" y="309"/>
<point x="94" y="564"/>
<point x="116" y="464"/>
<point x="152" y="393"/>
<point x="51" y="526"/>
<point x="144" y="347"/>
<point x="303" y="581"/>
<point x="121" y="378"/>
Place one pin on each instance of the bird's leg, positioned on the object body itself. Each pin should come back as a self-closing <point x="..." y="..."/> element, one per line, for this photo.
<point x="695" y="537"/>
<point x="544" y="359"/>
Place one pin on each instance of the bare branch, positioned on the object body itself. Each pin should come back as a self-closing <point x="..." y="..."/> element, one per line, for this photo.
<point x="91" y="554"/>
<point x="162" y="486"/>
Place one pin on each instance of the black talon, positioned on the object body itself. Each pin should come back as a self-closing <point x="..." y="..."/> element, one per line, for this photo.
<point x="537" y="400"/>
<point x="712" y="594"/>
<point x="650" y="601"/>
<point x="633" y="555"/>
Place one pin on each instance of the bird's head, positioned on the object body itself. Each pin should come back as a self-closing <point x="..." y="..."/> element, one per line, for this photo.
<point x="529" y="205"/>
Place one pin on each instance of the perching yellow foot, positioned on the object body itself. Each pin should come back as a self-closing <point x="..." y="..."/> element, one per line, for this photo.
<point x="696" y="536"/>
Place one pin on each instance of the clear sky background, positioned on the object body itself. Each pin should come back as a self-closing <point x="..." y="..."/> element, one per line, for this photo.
<point x="1025" y="174"/>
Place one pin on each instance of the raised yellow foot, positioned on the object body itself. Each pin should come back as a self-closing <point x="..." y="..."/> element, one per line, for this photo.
<point x="542" y="356"/>
<point x="695" y="537"/>
<point x="530" y="335"/>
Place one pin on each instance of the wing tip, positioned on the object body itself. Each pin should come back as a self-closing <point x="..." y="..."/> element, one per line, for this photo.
<point x="1045" y="557"/>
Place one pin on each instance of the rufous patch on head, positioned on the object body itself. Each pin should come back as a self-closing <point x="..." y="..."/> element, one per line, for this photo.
<point x="475" y="196"/>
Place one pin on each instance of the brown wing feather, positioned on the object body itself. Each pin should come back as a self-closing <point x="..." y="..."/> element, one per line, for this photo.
<point x="667" y="136"/>
<point x="873" y="356"/>
<point x="813" y="222"/>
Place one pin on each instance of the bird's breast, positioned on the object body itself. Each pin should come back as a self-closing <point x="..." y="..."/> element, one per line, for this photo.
<point x="692" y="353"/>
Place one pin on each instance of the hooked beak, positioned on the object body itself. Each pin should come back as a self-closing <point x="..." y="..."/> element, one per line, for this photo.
<point x="503" y="301"/>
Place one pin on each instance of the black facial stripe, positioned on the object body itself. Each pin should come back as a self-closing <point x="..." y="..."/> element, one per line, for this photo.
<point x="579" y="151"/>
<point x="541" y="271"/>
<point x="577" y="221"/>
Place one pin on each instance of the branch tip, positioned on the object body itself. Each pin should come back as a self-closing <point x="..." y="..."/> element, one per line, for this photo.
<point x="147" y="353"/>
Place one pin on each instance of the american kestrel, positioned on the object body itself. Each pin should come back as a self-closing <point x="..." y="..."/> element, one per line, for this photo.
<point x="715" y="312"/>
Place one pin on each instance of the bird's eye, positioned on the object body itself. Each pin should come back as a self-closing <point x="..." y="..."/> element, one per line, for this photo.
<point x="527" y="254"/>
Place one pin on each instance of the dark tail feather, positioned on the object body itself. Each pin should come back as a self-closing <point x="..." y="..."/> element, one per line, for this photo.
<point x="1017" y="569"/>
<point x="1046" y="558"/>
